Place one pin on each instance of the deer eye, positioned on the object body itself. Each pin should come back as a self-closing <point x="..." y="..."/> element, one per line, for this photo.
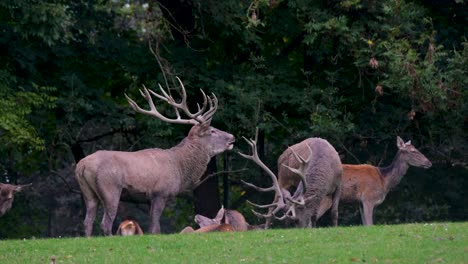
<point x="213" y="131"/>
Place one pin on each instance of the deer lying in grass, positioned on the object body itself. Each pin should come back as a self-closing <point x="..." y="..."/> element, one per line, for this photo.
<point x="317" y="165"/>
<point x="225" y="220"/>
<point x="7" y="195"/>
<point x="129" y="228"/>
<point x="209" y="228"/>
<point x="159" y="174"/>
<point x="369" y="185"/>
<point x="232" y="217"/>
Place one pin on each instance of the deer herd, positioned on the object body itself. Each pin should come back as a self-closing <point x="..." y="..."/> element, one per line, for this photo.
<point x="311" y="178"/>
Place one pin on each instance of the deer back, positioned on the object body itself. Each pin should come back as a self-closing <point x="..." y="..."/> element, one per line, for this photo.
<point x="325" y="162"/>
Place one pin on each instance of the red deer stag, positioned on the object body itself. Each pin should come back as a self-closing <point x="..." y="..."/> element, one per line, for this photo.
<point x="232" y="217"/>
<point x="7" y="195"/>
<point x="320" y="175"/>
<point x="160" y="174"/>
<point x="129" y="228"/>
<point x="369" y="184"/>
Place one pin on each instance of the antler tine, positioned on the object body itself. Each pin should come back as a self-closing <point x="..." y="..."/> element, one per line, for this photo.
<point x="290" y="214"/>
<point x="208" y="115"/>
<point x="194" y="118"/>
<point x="262" y="205"/>
<point x="303" y="163"/>
<point x="183" y="105"/>
<point x="260" y="189"/>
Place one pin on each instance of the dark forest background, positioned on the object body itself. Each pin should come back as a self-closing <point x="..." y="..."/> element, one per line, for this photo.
<point x="358" y="73"/>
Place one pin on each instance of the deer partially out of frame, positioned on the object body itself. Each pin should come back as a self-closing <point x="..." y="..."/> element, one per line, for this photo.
<point x="232" y="217"/>
<point x="129" y="228"/>
<point x="319" y="168"/>
<point x="160" y="174"/>
<point x="369" y="185"/>
<point x="7" y="195"/>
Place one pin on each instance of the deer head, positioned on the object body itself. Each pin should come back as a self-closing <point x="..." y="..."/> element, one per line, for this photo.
<point x="205" y="221"/>
<point x="7" y="195"/>
<point x="411" y="155"/>
<point x="216" y="140"/>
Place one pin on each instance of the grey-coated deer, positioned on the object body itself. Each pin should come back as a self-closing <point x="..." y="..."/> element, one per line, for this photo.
<point x="160" y="174"/>
<point x="7" y="195"/>
<point x="318" y="167"/>
<point x="368" y="185"/>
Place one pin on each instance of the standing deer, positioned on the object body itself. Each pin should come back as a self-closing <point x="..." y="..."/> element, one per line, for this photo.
<point x="7" y="195"/>
<point x="129" y="228"/>
<point x="369" y="184"/>
<point x="160" y="174"/>
<point x="319" y="174"/>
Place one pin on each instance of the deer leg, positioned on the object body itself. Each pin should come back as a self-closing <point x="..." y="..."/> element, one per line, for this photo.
<point x="324" y="206"/>
<point x="91" y="201"/>
<point x="91" y="209"/>
<point x="368" y="209"/>
<point x="158" y="203"/>
<point x="334" y="208"/>
<point x="110" y="201"/>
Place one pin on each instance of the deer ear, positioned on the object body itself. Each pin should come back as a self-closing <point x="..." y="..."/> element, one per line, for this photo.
<point x="19" y="188"/>
<point x="400" y="143"/>
<point x="220" y="215"/>
<point x="203" y="129"/>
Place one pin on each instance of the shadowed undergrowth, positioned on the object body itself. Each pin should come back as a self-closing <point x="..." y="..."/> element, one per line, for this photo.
<point x="411" y="243"/>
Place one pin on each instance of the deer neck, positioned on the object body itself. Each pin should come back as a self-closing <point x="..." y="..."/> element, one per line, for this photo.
<point x="192" y="160"/>
<point x="394" y="172"/>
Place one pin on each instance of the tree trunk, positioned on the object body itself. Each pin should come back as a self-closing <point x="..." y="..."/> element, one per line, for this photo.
<point x="207" y="201"/>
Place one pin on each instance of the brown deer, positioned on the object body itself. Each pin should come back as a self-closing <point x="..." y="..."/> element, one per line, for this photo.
<point x="7" y="195"/>
<point x="369" y="185"/>
<point x="129" y="228"/>
<point x="159" y="174"/>
<point x="209" y="228"/>
<point x="319" y="174"/>
<point x="232" y="217"/>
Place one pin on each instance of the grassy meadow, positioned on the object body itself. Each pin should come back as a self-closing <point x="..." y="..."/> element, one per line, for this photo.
<point x="409" y="243"/>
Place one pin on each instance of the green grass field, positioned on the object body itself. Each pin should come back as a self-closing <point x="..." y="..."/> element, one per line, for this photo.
<point x="411" y="243"/>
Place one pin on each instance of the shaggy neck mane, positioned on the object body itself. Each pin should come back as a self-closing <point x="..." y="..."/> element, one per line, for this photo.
<point x="193" y="159"/>
<point x="395" y="171"/>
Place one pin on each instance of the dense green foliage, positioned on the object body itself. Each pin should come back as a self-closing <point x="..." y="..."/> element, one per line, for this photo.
<point x="414" y="243"/>
<point x="358" y="73"/>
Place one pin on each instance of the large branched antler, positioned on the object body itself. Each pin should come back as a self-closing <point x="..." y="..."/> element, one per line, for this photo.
<point x="199" y="117"/>
<point x="298" y="197"/>
<point x="279" y="201"/>
<point x="301" y="172"/>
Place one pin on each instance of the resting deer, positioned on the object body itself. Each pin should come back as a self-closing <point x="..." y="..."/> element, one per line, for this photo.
<point x="129" y="228"/>
<point x="369" y="184"/>
<point x="317" y="165"/>
<point x="160" y="174"/>
<point x="232" y="217"/>
<point x="209" y="228"/>
<point x="7" y="195"/>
